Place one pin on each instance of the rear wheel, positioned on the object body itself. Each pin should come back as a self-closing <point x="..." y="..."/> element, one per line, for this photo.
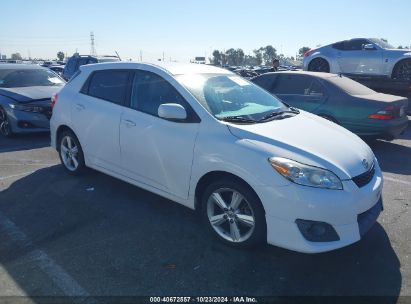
<point x="402" y="71"/>
<point x="5" y="128"/>
<point x="319" y="65"/>
<point x="71" y="154"/>
<point x="234" y="213"/>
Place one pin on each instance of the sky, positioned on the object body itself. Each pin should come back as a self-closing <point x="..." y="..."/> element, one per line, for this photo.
<point x="184" y="29"/>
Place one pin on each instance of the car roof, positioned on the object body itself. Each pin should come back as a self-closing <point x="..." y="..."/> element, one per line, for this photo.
<point x="172" y="68"/>
<point x="20" y="66"/>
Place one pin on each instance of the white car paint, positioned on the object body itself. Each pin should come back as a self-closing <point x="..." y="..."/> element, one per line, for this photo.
<point x="169" y="159"/>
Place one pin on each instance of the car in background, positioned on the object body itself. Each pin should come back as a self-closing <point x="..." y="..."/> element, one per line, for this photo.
<point x="25" y="98"/>
<point x="361" y="56"/>
<point x="57" y="69"/>
<point x="340" y="100"/>
<point x="75" y="61"/>
<point x="256" y="169"/>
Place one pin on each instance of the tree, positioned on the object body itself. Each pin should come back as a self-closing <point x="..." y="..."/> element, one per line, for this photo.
<point x="216" y="60"/>
<point x="400" y="47"/>
<point x="269" y="54"/>
<point x="258" y="56"/>
<point x="231" y="56"/>
<point x="240" y="57"/>
<point x="16" y="56"/>
<point x="303" y="50"/>
<point x="60" y="56"/>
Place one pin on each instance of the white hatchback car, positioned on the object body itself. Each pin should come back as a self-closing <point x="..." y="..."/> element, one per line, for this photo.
<point x="258" y="170"/>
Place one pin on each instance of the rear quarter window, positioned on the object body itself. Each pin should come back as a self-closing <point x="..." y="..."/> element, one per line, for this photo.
<point x="109" y="85"/>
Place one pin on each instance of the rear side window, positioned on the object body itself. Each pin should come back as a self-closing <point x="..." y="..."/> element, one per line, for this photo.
<point x="292" y="84"/>
<point x="265" y="81"/>
<point x="110" y="85"/>
<point x="149" y="91"/>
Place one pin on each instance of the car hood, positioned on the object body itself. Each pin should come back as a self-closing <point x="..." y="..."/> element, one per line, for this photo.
<point x="29" y="94"/>
<point x="311" y="140"/>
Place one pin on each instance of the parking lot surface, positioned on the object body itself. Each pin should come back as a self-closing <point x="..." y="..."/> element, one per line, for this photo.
<point x="97" y="236"/>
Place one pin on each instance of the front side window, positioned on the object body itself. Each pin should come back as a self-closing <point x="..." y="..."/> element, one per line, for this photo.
<point x="16" y="78"/>
<point x="110" y="85"/>
<point x="229" y="95"/>
<point x="149" y="91"/>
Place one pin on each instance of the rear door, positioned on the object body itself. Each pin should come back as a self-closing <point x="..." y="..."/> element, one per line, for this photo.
<point x="96" y="116"/>
<point x="301" y="91"/>
<point x="156" y="151"/>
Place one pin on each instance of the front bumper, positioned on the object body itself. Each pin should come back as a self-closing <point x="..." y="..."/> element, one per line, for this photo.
<point x="27" y="122"/>
<point x="342" y="209"/>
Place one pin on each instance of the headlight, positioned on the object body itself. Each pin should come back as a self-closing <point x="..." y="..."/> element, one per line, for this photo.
<point x="26" y="108"/>
<point x="306" y="175"/>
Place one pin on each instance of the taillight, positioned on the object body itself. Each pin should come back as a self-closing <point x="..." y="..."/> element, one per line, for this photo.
<point x="386" y="114"/>
<point x="308" y="53"/>
<point x="53" y="100"/>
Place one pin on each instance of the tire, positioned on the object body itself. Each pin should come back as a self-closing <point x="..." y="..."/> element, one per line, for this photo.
<point x="71" y="153"/>
<point x="319" y="65"/>
<point x="402" y="71"/>
<point x="240" y="222"/>
<point x="5" y="128"/>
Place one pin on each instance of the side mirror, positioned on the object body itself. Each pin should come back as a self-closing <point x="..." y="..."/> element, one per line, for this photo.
<point x="369" y="47"/>
<point x="172" y="111"/>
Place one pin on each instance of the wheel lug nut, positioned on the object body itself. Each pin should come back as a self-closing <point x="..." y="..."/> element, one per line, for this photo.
<point x="231" y="221"/>
<point x="225" y="216"/>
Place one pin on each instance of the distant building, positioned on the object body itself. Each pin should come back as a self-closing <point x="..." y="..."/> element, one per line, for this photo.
<point x="200" y="60"/>
<point x="3" y="57"/>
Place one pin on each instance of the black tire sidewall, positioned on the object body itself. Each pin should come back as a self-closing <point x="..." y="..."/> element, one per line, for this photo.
<point x="10" y="134"/>
<point x="259" y="236"/>
<point x="318" y="60"/>
<point x="82" y="166"/>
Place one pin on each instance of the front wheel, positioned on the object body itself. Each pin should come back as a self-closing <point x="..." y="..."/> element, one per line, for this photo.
<point x="234" y="213"/>
<point x="5" y="128"/>
<point x="71" y="154"/>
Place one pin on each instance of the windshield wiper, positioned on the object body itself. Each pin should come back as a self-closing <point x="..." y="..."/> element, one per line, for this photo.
<point x="272" y="115"/>
<point x="238" y="119"/>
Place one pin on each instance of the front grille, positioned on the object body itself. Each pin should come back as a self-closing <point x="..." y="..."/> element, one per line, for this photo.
<point x="363" y="179"/>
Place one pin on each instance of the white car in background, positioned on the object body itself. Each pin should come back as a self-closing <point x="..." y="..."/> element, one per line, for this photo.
<point x="257" y="170"/>
<point x="360" y="57"/>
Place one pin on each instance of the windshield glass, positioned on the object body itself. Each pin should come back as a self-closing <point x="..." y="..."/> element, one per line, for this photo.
<point x="17" y="78"/>
<point x="230" y="95"/>
<point x="350" y="86"/>
<point x="381" y="43"/>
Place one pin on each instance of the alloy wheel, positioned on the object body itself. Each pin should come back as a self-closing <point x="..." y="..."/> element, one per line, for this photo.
<point x="230" y="215"/>
<point x="404" y="71"/>
<point x="69" y="153"/>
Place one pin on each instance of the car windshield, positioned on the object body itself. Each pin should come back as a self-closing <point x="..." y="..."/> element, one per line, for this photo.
<point x="16" y="78"/>
<point x="350" y="86"/>
<point x="231" y="96"/>
<point x="382" y="43"/>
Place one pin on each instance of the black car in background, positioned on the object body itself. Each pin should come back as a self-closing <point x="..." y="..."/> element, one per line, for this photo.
<point x="77" y="60"/>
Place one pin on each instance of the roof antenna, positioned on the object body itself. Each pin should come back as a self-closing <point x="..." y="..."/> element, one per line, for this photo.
<point x="118" y="56"/>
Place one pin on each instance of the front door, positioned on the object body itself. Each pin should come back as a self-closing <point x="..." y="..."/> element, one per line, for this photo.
<point x="156" y="151"/>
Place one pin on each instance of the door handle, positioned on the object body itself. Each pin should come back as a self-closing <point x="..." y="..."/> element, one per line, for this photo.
<point x="129" y="123"/>
<point x="80" y="107"/>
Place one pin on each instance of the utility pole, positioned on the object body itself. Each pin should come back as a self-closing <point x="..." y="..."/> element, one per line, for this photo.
<point x="163" y="55"/>
<point x="92" y="45"/>
<point x="141" y="55"/>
